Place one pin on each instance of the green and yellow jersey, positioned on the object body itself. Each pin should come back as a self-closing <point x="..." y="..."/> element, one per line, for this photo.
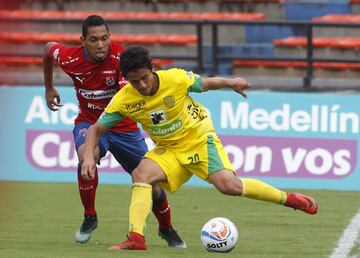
<point x="171" y="116"/>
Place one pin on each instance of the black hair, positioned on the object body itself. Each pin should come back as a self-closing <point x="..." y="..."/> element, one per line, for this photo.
<point x="133" y="58"/>
<point x="92" y="21"/>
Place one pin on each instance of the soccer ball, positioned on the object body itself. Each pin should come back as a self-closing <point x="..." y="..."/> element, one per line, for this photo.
<point x="219" y="235"/>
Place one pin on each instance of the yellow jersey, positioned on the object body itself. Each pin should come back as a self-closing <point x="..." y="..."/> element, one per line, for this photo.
<point x="170" y="116"/>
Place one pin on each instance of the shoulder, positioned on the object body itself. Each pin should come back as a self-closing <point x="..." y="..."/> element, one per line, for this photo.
<point x="68" y="49"/>
<point x="115" y="48"/>
<point x="124" y="92"/>
<point x="176" y="75"/>
<point x="173" y="71"/>
<point x="123" y="97"/>
<point x="65" y="55"/>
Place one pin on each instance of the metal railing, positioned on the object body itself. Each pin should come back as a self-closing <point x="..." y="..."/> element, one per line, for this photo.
<point x="310" y="59"/>
<point x="216" y="56"/>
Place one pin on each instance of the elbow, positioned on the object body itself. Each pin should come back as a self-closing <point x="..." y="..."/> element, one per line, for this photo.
<point x="47" y="48"/>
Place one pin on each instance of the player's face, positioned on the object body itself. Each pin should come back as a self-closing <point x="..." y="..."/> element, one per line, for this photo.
<point x="144" y="80"/>
<point x="97" y="42"/>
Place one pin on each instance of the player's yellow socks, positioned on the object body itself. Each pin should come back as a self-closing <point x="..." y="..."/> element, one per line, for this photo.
<point x="256" y="189"/>
<point x="140" y="207"/>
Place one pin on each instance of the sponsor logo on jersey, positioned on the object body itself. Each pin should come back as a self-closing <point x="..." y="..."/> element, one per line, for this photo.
<point x="56" y="54"/>
<point x="110" y="81"/>
<point x="189" y="74"/>
<point x="132" y="108"/>
<point x="79" y="73"/>
<point x="116" y="57"/>
<point x="123" y="81"/>
<point x="94" y="107"/>
<point x="72" y="60"/>
<point x="169" y="101"/>
<point x="109" y="71"/>
<point x="158" y="116"/>
<point x="97" y="94"/>
<point x="82" y="132"/>
<point x="76" y="74"/>
<point x="166" y="129"/>
<point x="80" y="80"/>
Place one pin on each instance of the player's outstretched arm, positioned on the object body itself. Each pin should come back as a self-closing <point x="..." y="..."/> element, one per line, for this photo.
<point x="51" y="94"/>
<point x="238" y="84"/>
<point x="93" y="134"/>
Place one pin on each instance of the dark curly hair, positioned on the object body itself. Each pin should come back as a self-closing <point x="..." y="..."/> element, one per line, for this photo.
<point x="92" y="21"/>
<point x="133" y="58"/>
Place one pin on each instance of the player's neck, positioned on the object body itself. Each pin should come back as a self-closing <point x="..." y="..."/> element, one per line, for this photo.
<point x="155" y="84"/>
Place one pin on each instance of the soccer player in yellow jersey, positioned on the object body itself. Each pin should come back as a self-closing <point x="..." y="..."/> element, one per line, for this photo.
<point x="186" y="142"/>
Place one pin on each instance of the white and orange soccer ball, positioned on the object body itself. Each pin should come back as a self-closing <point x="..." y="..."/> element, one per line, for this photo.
<point x="219" y="235"/>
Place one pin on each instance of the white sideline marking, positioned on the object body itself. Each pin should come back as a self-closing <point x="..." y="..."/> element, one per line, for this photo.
<point x="348" y="238"/>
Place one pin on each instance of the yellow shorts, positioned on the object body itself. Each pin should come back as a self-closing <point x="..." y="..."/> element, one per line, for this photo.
<point x="200" y="157"/>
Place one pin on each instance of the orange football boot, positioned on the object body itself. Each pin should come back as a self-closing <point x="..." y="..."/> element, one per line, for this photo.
<point x="134" y="241"/>
<point x="302" y="202"/>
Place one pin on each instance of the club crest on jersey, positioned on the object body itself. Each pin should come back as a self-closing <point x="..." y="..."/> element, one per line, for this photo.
<point x="110" y="81"/>
<point x="169" y="101"/>
<point x="158" y="116"/>
<point x="159" y="150"/>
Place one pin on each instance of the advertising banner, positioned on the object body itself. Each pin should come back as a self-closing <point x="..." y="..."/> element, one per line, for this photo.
<point x="290" y="140"/>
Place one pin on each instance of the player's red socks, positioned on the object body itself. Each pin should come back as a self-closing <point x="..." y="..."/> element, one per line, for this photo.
<point x="87" y="190"/>
<point x="161" y="209"/>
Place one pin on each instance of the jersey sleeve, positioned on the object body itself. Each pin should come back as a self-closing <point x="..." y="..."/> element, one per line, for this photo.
<point x="197" y="86"/>
<point x="188" y="77"/>
<point x="58" y="53"/>
<point x="192" y="81"/>
<point x="111" y="114"/>
<point x="108" y="120"/>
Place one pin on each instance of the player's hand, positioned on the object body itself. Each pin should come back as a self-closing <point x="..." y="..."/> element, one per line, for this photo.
<point x="88" y="170"/>
<point x="52" y="99"/>
<point x="240" y="85"/>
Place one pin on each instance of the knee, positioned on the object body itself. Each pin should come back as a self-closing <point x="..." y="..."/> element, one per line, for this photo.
<point x="138" y="176"/>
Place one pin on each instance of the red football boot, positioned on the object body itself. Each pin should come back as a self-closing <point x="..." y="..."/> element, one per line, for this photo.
<point x="134" y="241"/>
<point x="302" y="202"/>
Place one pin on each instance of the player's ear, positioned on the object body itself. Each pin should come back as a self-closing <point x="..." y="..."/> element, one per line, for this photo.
<point x="82" y="40"/>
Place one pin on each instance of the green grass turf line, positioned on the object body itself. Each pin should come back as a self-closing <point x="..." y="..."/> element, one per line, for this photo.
<point x="40" y="219"/>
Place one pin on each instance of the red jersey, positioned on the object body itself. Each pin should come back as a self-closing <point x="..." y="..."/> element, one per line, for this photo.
<point x="95" y="83"/>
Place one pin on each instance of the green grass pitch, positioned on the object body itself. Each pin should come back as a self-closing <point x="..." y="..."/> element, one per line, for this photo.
<point x="40" y="219"/>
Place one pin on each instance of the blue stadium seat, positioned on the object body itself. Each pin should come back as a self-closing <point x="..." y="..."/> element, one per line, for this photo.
<point x="306" y="10"/>
<point x="261" y="34"/>
<point x="243" y="50"/>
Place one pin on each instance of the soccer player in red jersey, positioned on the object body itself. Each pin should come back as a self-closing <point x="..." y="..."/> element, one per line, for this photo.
<point x="93" y="67"/>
